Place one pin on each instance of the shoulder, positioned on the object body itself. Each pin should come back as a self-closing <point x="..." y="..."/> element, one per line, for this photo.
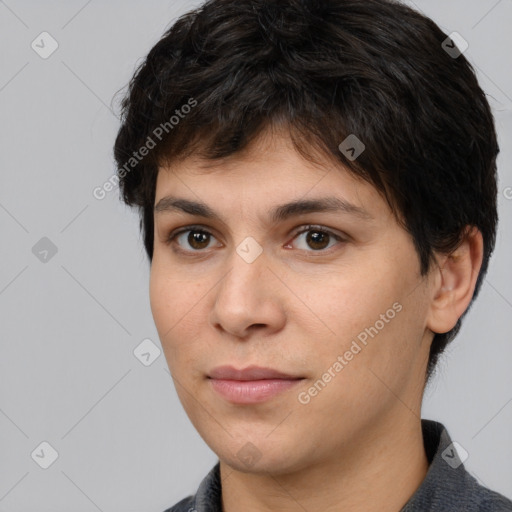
<point x="483" y="499"/>
<point x="185" y="505"/>
<point x="207" y="497"/>
<point x="448" y="486"/>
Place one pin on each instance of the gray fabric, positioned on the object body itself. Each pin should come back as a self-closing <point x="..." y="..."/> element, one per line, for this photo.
<point x="447" y="487"/>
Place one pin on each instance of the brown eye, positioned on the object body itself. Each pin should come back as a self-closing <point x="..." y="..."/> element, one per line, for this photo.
<point x="317" y="239"/>
<point x="191" y="239"/>
<point x="197" y="239"/>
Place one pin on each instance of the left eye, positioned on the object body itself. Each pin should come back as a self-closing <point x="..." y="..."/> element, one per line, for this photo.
<point x="198" y="238"/>
<point x="317" y="238"/>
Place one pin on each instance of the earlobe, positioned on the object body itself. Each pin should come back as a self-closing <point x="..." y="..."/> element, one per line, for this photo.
<point x="454" y="284"/>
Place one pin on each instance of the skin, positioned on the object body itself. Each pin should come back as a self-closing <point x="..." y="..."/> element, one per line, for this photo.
<point x="357" y="444"/>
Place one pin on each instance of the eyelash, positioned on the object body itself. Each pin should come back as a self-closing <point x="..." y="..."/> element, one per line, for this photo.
<point x="319" y="229"/>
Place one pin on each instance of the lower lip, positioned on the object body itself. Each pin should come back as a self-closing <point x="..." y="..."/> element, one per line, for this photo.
<point x="251" y="391"/>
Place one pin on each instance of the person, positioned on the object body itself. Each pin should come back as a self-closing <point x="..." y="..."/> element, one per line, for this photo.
<point x="316" y="183"/>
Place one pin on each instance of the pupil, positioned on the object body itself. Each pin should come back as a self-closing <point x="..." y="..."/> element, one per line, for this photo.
<point x="195" y="238"/>
<point x="313" y="237"/>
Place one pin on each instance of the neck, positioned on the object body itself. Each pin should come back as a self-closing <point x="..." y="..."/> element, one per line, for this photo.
<point x="378" y="472"/>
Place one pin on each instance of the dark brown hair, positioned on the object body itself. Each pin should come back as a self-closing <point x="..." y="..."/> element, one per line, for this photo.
<point x="325" y="69"/>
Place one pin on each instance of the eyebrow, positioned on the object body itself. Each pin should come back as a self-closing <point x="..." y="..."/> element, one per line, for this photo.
<point x="277" y="214"/>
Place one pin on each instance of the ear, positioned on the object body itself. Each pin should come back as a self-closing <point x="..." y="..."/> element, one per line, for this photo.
<point x="454" y="282"/>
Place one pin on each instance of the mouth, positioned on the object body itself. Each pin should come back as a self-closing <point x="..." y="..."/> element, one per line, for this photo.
<point x="250" y="385"/>
<point x="249" y="373"/>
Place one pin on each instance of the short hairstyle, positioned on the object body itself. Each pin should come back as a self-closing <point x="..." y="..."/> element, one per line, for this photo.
<point x="227" y="71"/>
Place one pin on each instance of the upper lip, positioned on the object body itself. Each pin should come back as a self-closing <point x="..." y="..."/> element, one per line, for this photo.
<point x="249" y="373"/>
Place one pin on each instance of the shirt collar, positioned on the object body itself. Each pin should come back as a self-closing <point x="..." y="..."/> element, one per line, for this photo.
<point x="443" y="488"/>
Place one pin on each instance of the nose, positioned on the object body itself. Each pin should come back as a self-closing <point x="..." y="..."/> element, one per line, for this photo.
<point x="248" y="298"/>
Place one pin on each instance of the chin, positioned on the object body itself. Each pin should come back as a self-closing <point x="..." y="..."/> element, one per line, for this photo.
<point x="270" y="460"/>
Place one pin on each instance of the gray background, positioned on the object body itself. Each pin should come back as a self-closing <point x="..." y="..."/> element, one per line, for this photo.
<point x="68" y="328"/>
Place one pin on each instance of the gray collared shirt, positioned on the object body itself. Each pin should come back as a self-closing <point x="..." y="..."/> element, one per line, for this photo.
<point x="447" y="487"/>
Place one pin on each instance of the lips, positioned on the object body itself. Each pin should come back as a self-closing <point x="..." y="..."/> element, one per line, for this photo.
<point x="249" y="373"/>
<point x="251" y="385"/>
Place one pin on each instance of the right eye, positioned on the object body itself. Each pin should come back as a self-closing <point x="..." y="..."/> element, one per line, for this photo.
<point x="197" y="238"/>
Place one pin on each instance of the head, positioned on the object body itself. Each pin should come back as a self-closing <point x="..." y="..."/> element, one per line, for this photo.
<point x="245" y="105"/>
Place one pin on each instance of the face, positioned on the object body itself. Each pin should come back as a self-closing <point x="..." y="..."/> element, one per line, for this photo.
<point x="332" y="298"/>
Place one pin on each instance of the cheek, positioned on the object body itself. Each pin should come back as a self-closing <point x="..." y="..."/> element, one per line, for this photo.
<point x="348" y="304"/>
<point x="178" y="309"/>
<point x="373" y="308"/>
<point x="377" y="358"/>
<point x="172" y="298"/>
<point x="171" y="303"/>
<point x="161" y="298"/>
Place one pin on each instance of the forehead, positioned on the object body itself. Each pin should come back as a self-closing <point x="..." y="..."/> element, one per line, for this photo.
<point x="269" y="175"/>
